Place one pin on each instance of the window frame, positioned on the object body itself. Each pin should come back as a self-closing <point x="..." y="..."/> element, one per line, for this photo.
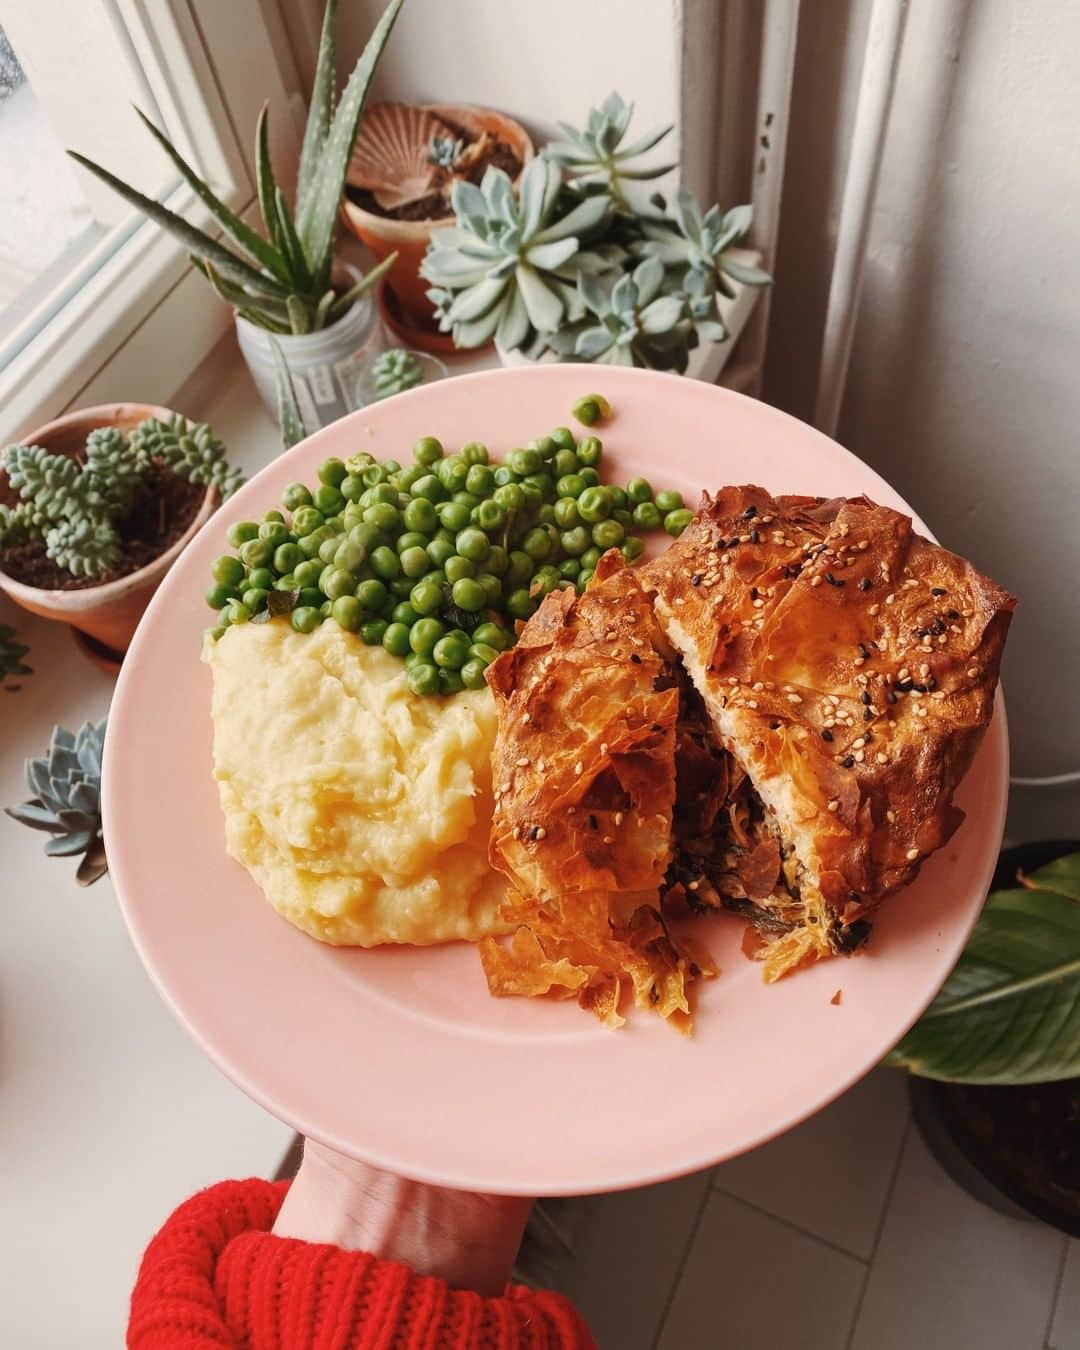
<point x="105" y="343"/>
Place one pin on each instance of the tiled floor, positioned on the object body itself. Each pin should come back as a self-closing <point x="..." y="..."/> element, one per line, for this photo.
<point x="842" y="1235"/>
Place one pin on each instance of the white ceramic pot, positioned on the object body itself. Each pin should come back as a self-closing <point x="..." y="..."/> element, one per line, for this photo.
<point x="706" y="362"/>
<point x="324" y="366"/>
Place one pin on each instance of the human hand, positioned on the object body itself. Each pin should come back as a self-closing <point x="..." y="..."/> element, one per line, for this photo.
<point x="466" y="1239"/>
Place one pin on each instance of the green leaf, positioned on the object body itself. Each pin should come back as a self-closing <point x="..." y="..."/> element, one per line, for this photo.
<point x="289" y="419"/>
<point x="1010" y="1010"/>
<point x="350" y="297"/>
<point x="195" y="241"/>
<point x="294" y="253"/>
<point x="299" y="316"/>
<point x="267" y="188"/>
<point x="321" y="108"/>
<point x="253" y="244"/>
<point x="317" y="218"/>
<point x="233" y="295"/>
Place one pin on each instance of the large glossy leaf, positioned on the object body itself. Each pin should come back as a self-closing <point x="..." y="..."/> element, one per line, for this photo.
<point x="1010" y="1010"/>
<point x="317" y="217"/>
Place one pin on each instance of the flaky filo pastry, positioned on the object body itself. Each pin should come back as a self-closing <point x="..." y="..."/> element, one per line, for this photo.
<point x="583" y="770"/>
<point x="848" y="667"/>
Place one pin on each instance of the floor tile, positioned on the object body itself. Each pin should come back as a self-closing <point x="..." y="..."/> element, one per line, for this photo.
<point x="1065" y="1331"/>
<point x="950" y="1272"/>
<point x="754" y="1283"/>
<point x="831" y="1174"/>
<point x="629" y="1248"/>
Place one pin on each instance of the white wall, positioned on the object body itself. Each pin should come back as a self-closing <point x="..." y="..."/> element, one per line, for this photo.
<point x="964" y="389"/>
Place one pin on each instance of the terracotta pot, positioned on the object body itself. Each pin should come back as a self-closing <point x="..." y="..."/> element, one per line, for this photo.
<point x="410" y="238"/>
<point x="108" y="613"/>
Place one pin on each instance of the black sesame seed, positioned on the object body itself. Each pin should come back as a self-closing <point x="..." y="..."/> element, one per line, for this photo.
<point x="848" y="762"/>
<point x="864" y="651"/>
<point x="695" y="580"/>
<point x="755" y="536"/>
<point x="937" y="627"/>
<point x="826" y="735"/>
<point x="721" y="544"/>
<point x="750" y="513"/>
<point x="865" y="584"/>
<point x="867" y="715"/>
<point x="890" y="697"/>
<point x="922" y="632"/>
<point x="774" y="726"/>
<point x="793" y="570"/>
<point x="905" y="686"/>
<point x="753" y="593"/>
<point x="594" y="824"/>
<point x="865" y="696"/>
<point x="833" y="581"/>
<point x="931" y="685"/>
<point x="952" y="613"/>
<point x="920" y="688"/>
<point x="534" y="833"/>
<point x="853" y="895"/>
<point x="938" y="590"/>
<point x="635" y="658"/>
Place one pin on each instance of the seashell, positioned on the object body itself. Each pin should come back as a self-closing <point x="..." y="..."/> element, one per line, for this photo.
<point x="391" y="156"/>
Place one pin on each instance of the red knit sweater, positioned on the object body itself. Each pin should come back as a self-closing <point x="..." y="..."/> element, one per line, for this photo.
<point x="215" y="1276"/>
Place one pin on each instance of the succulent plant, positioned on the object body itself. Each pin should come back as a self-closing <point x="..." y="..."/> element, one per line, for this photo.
<point x="509" y="267"/>
<point x="281" y="281"/>
<point x="631" y="321"/>
<point x="75" y="508"/>
<point x="11" y="658"/>
<point x="444" y="151"/>
<point x="66" y="783"/>
<point x="395" y="371"/>
<point x="597" y="154"/>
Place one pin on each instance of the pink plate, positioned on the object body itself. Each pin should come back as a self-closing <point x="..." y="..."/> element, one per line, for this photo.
<point x="398" y="1056"/>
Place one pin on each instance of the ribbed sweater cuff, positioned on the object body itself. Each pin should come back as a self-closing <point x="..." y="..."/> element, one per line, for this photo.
<point x="215" y="1276"/>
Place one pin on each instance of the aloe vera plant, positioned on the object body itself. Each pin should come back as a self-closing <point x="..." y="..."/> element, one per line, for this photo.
<point x="280" y="281"/>
<point x="1010" y="1010"/>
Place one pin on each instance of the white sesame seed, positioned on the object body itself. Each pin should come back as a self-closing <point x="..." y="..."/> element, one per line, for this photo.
<point x="618" y="817"/>
<point x="834" y="805"/>
<point x="912" y="854"/>
<point x="794" y="698"/>
<point x="833" y="699"/>
<point x="758" y="604"/>
<point x="603" y="747"/>
<point x="860" y="756"/>
<point x="890" y="816"/>
<point x="858" y="745"/>
<point x="815" y="581"/>
<point x="751" y="702"/>
<point x="526" y="717"/>
<point x="903" y="673"/>
<point x="881" y="759"/>
<point x="859" y="661"/>
<point x="889" y="599"/>
<point x="874" y="610"/>
<point x="523" y="763"/>
<point x="973" y="672"/>
<point x="540" y="832"/>
<point x="679" y="600"/>
<point x="758" y="686"/>
<point x="541" y="765"/>
<point x="578" y="767"/>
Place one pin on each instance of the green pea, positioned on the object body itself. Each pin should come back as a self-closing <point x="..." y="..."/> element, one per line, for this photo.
<point x="329" y="547"/>
<point x="262" y="577"/>
<point x="639" y="490"/>
<point x="407" y="477"/>
<point x="450" y="681"/>
<point x="423" y="679"/>
<point x="480" y="651"/>
<point x="371" y="594"/>
<point x="450" y="652"/>
<point x="647" y="516"/>
<point x="273" y="516"/>
<point x="373" y="475"/>
<point x="591" y="409"/>
<point x="237" y="611"/>
<point x="520" y="604"/>
<point x="404" y="613"/>
<point x="676" y="521"/>
<point x="274" y="532"/>
<point x="424" y="634"/>
<point x="492" y="588"/>
<point x="591" y="476"/>
<point x="286" y="583"/>
<point x="497" y="560"/>
<point x="594" y="504"/>
<point x="510" y="497"/>
<point x="469" y="595"/>
<point x="519" y="569"/>
<point x="372" y="632"/>
<point x="427" y="450"/>
<point x="607" y="534"/>
<point x="472" y="674"/>
<point x="570" y="570"/>
<point x="347" y="612"/>
<point x="546" y="580"/>
<point x="219" y="595"/>
<point x="383" y="494"/>
<point x="565" y="513"/>
<point x="537" y="543"/>
<point x="420" y="516"/>
<point x="575" y="541"/>
<point x="669" y="501"/>
<point x="490" y="516"/>
<point x="219" y="632"/>
<point x="391" y="466"/>
<point x="492" y="635"/>
<point x="230" y="571"/>
<point x="337" y="581"/>
<point x="305" y="618"/>
<point x="584" y="577"/>
<point x="328" y="499"/>
<point x="475" y="452"/>
<point x="453" y="473"/>
<point x="332" y="471"/>
<point x="545" y="446"/>
<point x="429" y="489"/>
<point x="396" y="639"/>
<point x="534" y="498"/>
<point x="454" y="516"/>
<point x="504" y="476"/>
<point x="440" y="551"/>
<point x="351" y="488"/>
<point x="367" y="536"/>
<point x="632" y="548"/>
<point x="426" y="596"/>
<point x="415" y="562"/>
<point x="295" y="496"/>
<point x="524" y="462"/>
<point x="384" y="563"/>
<point x="308" y="573"/>
<point x="563" y="437"/>
<point x="241" y="532"/>
<point x="618" y="497"/>
<point x="564" y="463"/>
<point x="467" y="499"/>
<point x="287" y="557"/>
<point x="400" y="588"/>
<point x="306" y="519"/>
<point x="543" y="482"/>
<point x="589" y="451"/>
<point x="458" y="567"/>
<point x="624" y="517"/>
<point x="311" y="595"/>
<point x="383" y="516"/>
<point x="571" y="485"/>
<point x="473" y="544"/>
<point x="350" y="556"/>
<point x="480" y="480"/>
<point x="546" y="514"/>
<point x="359" y="462"/>
<point x="589" y="558"/>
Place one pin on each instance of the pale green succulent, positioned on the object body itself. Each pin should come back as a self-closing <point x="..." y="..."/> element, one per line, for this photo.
<point x="87" y="546"/>
<point x="395" y="371"/>
<point x="66" y="783"/>
<point x="631" y="321"/>
<point x="444" y="151"/>
<point x="286" y="285"/>
<point x="11" y="658"/>
<point x="597" y="155"/>
<point x="508" y="269"/>
<point x="189" y="449"/>
<point x="114" y="467"/>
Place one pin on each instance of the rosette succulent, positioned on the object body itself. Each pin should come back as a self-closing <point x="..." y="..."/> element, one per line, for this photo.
<point x="508" y="270"/>
<point x="597" y="155"/>
<point x="66" y="783"/>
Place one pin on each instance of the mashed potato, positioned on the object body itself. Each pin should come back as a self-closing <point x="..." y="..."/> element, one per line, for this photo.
<point x="361" y="810"/>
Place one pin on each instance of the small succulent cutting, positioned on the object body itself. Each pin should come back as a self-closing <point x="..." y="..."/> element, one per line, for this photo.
<point x="559" y="266"/>
<point x="395" y="371"/>
<point x="66" y="783"/>
<point x="11" y="658"/>
<point x="75" y="508"/>
<point x="281" y="281"/>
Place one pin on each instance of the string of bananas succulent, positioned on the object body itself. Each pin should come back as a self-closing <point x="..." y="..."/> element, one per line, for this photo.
<point x="557" y="266"/>
<point x="280" y="280"/>
<point x="66" y="801"/>
<point x="75" y="508"/>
